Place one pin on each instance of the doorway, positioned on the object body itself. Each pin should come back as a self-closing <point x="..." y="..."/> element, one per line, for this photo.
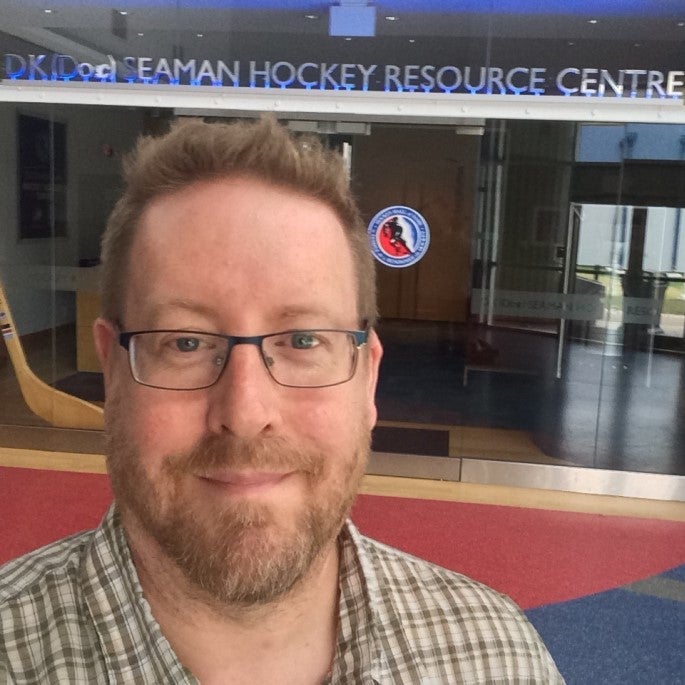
<point x="433" y="170"/>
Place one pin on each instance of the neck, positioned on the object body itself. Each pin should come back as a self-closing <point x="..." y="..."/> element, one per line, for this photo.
<point x="217" y="642"/>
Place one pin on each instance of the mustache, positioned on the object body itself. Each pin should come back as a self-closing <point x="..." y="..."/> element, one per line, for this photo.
<point x="226" y="451"/>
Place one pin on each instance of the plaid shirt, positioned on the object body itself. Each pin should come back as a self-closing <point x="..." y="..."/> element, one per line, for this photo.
<point x="74" y="612"/>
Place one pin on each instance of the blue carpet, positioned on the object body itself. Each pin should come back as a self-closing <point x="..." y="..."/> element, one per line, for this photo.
<point x="677" y="573"/>
<point x="620" y="636"/>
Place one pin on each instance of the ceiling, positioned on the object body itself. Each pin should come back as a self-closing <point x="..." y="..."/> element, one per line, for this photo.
<point x="602" y="33"/>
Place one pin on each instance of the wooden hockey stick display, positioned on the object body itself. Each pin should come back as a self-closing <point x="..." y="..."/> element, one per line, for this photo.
<point x="54" y="406"/>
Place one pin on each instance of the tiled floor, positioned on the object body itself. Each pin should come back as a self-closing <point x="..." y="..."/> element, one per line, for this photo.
<point x="608" y="409"/>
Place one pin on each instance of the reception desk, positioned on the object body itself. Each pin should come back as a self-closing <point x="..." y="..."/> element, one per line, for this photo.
<point x="85" y="282"/>
<point x="87" y="310"/>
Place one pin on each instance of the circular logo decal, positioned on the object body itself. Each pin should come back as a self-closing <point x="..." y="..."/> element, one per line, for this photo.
<point x="399" y="236"/>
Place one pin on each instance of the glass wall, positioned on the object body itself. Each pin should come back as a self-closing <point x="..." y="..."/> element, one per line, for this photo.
<point x="545" y="323"/>
<point x="580" y="309"/>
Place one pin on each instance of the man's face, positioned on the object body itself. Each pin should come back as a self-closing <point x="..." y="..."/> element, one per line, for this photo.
<point x="244" y="483"/>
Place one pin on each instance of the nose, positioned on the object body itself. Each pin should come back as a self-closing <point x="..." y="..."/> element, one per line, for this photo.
<point x="244" y="401"/>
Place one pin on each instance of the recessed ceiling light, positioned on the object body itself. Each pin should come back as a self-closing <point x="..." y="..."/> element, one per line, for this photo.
<point x="681" y="23"/>
<point x="140" y="34"/>
<point x="311" y="16"/>
<point x="200" y="35"/>
<point x="348" y="39"/>
<point x="48" y="11"/>
<point x="592" y="21"/>
<point x="123" y="13"/>
<point x="412" y="40"/>
<point x="391" y="18"/>
<point x="570" y="43"/>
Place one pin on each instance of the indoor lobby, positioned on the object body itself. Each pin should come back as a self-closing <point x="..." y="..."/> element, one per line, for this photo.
<point x="531" y="398"/>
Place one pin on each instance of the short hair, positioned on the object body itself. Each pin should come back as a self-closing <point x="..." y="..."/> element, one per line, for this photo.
<point x="194" y="151"/>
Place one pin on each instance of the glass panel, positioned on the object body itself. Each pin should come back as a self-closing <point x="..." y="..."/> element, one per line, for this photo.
<point x="61" y="175"/>
<point x="542" y="325"/>
<point x="34" y="209"/>
<point x="553" y="286"/>
<point x="578" y="307"/>
<point x="630" y="247"/>
<point x="657" y="299"/>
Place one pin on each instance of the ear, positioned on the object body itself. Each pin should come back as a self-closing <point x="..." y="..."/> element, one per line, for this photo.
<point x="374" y="356"/>
<point x="104" y="336"/>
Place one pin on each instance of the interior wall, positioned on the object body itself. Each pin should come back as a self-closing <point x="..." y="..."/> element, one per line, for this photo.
<point x="93" y="178"/>
<point x="433" y="171"/>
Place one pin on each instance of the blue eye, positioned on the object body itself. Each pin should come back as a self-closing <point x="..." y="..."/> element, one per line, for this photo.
<point x="187" y="344"/>
<point x="303" y="341"/>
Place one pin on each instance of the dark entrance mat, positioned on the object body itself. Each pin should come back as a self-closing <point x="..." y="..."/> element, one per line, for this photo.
<point x="429" y="442"/>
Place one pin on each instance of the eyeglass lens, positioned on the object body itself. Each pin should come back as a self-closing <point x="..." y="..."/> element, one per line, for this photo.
<point x="185" y="360"/>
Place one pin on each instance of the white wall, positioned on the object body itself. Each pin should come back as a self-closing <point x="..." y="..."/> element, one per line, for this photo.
<point x="92" y="184"/>
<point x="599" y="236"/>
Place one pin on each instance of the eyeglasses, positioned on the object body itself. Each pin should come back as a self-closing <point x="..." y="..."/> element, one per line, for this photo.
<point x="191" y="360"/>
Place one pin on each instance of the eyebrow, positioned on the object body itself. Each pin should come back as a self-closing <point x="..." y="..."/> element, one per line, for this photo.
<point x="295" y="312"/>
<point x="162" y="307"/>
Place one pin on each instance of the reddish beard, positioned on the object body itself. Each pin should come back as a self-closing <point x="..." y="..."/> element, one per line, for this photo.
<point x="244" y="554"/>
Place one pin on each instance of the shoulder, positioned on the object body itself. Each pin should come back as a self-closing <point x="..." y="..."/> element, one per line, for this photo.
<point x="41" y="610"/>
<point x="57" y="561"/>
<point x="406" y="578"/>
<point x="454" y="626"/>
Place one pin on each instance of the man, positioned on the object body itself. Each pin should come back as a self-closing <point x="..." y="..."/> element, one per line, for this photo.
<point x="240" y="365"/>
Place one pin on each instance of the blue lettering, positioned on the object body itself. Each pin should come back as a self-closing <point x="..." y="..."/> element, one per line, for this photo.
<point x="264" y="73"/>
<point x="300" y="75"/>
<point x="34" y="67"/>
<point x="290" y="69"/>
<point x="517" y="90"/>
<point x="392" y="76"/>
<point x="59" y="69"/>
<point x="537" y="80"/>
<point x="467" y="80"/>
<point x="427" y="74"/>
<point x="16" y="70"/>
<point x="86" y="70"/>
<point x="347" y="76"/>
<point x="365" y="74"/>
<point x="560" y="80"/>
<point x="495" y="75"/>
<point x="327" y="78"/>
<point x="441" y="81"/>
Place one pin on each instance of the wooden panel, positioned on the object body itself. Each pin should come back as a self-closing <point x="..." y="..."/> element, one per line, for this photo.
<point x="433" y="171"/>
<point x="87" y="310"/>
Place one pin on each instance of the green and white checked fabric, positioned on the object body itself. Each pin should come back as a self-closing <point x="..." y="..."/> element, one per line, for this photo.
<point x="74" y="612"/>
<point x="403" y="620"/>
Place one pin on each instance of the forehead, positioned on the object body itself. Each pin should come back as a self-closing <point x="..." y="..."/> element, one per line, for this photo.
<point x="243" y="238"/>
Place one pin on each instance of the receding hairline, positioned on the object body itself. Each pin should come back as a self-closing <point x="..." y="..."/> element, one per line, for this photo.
<point x="239" y="176"/>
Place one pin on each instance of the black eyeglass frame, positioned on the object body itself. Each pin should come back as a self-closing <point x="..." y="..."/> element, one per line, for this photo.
<point x="361" y="337"/>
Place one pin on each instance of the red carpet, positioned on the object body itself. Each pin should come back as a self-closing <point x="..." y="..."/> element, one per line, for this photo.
<point x="535" y="556"/>
<point x="38" y="507"/>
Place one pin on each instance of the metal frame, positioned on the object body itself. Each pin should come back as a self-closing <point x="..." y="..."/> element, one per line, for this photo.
<point x="368" y="106"/>
<point x="576" y="479"/>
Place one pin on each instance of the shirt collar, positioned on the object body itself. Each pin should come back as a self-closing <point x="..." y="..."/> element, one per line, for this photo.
<point x="361" y="588"/>
<point x="358" y="657"/>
